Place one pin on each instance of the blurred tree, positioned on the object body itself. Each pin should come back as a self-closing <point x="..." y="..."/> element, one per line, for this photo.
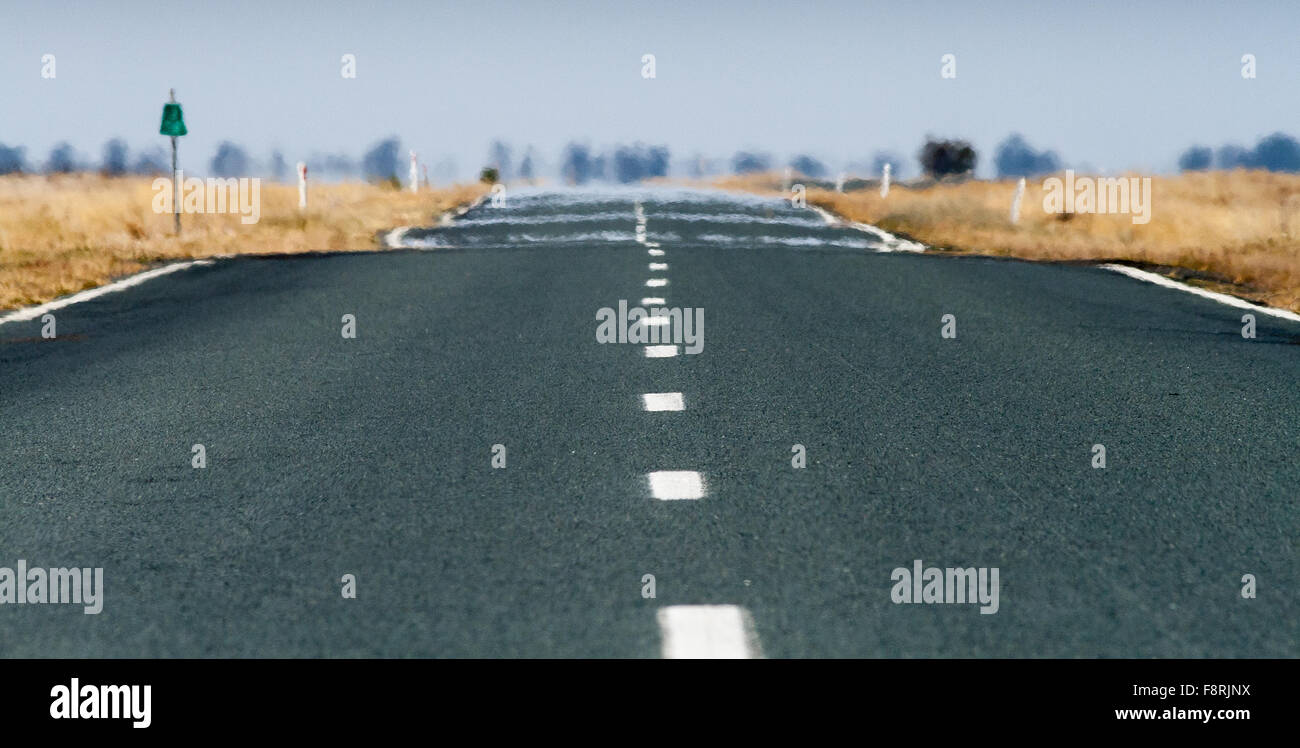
<point x="637" y="162"/>
<point x="1232" y="157"/>
<point x="1016" y="158"/>
<point x="941" y="158"/>
<point x="1277" y="152"/>
<point x="381" y="162"/>
<point x="152" y="162"/>
<point x="12" y="160"/>
<point x="808" y="166"/>
<point x="745" y="162"/>
<point x="499" y="156"/>
<point x="279" y="168"/>
<point x="1196" y="158"/>
<point x="113" y="163"/>
<point x="62" y="160"/>
<point x="577" y="165"/>
<point x="229" y="161"/>
<point x="526" y="166"/>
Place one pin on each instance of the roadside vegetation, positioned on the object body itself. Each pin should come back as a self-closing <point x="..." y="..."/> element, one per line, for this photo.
<point x="64" y="233"/>
<point x="1235" y="231"/>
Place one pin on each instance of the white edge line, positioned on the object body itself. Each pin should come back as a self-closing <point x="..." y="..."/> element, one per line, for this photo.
<point x="32" y="312"/>
<point x="1222" y="298"/>
<point x="396" y="239"/>
<point x="393" y="239"/>
<point x="892" y="243"/>
<point x="896" y="244"/>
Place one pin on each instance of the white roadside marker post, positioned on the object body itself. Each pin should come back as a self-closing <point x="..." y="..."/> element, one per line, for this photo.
<point x="302" y="185"/>
<point x="415" y="174"/>
<point x="839" y="182"/>
<point x="1015" y="201"/>
<point x="884" y="181"/>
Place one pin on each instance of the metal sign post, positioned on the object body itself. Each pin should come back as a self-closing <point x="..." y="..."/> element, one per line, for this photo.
<point x="176" y="190"/>
<point x="173" y="125"/>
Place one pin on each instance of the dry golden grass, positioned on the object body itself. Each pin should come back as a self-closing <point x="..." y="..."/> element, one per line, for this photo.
<point x="1235" y="231"/>
<point x="62" y="234"/>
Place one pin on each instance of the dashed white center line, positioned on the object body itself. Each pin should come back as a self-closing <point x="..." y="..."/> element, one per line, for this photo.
<point x="711" y="632"/>
<point x="675" y="485"/>
<point x="660" y="401"/>
<point x="688" y="631"/>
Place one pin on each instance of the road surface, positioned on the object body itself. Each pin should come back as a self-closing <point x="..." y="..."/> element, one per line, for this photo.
<point x="373" y="456"/>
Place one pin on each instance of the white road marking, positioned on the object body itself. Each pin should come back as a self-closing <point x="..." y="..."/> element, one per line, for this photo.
<point x="659" y="401"/>
<point x="393" y="239"/>
<point x="1222" y="298"/>
<point x="36" y="311"/>
<point x="654" y="321"/>
<point x="890" y="242"/>
<point x="647" y="301"/>
<point x="396" y="239"/>
<point x="658" y="266"/>
<point x="655" y="252"/>
<point x="652" y="244"/>
<point x="709" y="632"/>
<point x="657" y="282"/>
<point x="895" y="244"/>
<point x="674" y="485"/>
<point x="660" y="351"/>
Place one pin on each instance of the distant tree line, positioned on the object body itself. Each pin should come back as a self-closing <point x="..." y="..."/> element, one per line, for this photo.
<point x="1016" y="158"/>
<point x="380" y="163"/>
<point x="384" y="161"/>
<point x="623" y="164"/>
<point x="1276" y="152"/>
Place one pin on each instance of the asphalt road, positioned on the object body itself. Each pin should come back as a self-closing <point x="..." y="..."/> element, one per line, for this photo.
<point x="373" y="456"/>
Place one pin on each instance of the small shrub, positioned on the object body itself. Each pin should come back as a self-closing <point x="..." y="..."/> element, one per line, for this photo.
<point x="941" y="158"/>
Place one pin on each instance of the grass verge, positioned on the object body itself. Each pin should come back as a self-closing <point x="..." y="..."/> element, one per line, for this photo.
<point x="63" y="234"/>
<point x="1237" y="232"/>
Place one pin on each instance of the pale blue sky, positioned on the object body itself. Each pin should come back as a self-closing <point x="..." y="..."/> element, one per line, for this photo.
<point x="1111" y="85"/>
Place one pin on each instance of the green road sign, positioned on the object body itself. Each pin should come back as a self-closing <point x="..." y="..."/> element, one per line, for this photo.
<point x="172" y="122"/>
